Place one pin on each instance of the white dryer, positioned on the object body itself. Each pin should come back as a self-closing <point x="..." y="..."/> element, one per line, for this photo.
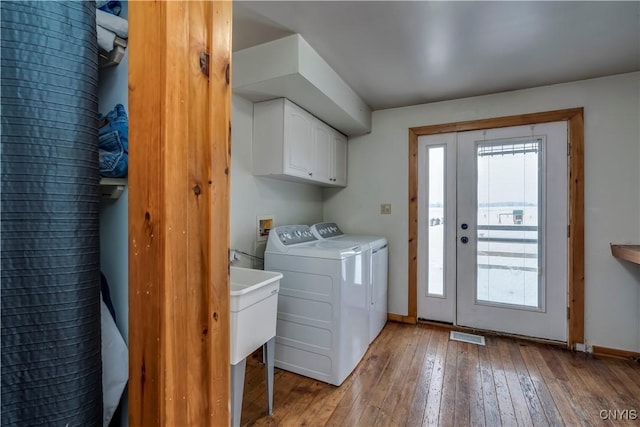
<point x="322" y="326"/>
<point x="376" y="250"/>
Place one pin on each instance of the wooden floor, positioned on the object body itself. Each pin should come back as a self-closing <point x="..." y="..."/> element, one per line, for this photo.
<point x="414" y="375"/>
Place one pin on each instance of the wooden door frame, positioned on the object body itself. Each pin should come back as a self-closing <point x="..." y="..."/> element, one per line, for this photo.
<point x="179" y="140"/>
<point x="575" y="120"/>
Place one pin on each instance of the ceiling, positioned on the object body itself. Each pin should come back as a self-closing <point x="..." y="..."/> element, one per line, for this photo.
<point x="400" y="53"/>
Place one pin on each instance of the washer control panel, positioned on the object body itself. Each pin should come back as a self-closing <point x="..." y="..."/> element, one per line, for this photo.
<point x="294" y="234"/>
<point x="328" y="229"/>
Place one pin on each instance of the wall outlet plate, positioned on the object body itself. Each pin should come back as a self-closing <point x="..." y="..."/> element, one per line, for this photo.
<point x="385" y="209"/>
<point x="264" y="224"/>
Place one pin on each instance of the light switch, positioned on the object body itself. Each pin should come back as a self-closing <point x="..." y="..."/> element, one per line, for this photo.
<point x="385" y="208"/>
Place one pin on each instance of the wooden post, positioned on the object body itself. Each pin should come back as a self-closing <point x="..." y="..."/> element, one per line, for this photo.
<point x="179" y="130"/>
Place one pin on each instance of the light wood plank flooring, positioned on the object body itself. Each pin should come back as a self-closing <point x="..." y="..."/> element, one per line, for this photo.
<point x="414" y="375"/>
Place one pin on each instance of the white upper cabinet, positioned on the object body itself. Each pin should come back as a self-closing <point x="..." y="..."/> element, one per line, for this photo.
<point x="339" y="156"/>
<point x="298" y="138"/>
<point x="291" y="144"/>
<point x="322" y="152"/>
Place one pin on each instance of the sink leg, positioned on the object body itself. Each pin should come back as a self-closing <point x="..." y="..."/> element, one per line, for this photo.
<point x="269" y="349"/>
<point x="237" y="389"/>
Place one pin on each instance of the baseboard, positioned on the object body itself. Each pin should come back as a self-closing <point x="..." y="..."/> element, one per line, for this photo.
<point x="401" y="319"/>
<point x="615" y="352"/>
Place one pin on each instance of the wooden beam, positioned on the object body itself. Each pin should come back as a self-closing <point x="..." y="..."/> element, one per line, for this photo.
<point x="219" y="140"/>
<point x="146" y="198"/>
<point x="179" y="121"/>
<point x="574" y="117"/>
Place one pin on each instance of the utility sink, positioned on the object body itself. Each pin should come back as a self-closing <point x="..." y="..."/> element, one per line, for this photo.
<point x="254" y="307"/>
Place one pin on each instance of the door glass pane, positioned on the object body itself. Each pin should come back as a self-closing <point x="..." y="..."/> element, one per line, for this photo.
<point x="508" y="243"/>
<point x="435" y="279"/>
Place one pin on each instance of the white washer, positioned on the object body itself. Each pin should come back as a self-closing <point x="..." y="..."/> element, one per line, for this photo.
<point x="322" y="327"/>
<point x="376" y="262"/>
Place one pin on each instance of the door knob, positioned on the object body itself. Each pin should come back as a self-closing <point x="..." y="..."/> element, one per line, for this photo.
<point x="464" y="226"/>
<point x="464" y="239"/>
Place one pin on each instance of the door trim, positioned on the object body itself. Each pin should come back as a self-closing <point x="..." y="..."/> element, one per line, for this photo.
<point x="575" y="137"/>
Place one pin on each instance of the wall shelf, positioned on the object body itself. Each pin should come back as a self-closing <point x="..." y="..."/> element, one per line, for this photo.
<point x="112" y="188"/>
<point x="627" y="252"/>
<point x="113" y="58"/>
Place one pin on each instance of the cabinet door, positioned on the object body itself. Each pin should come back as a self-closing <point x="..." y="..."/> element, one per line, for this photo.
<point x="339" y="157"/>
<point x="298" y="142"/>
<point x="322" y="153"/>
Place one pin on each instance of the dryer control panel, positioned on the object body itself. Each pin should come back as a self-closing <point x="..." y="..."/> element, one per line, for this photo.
<point x="294" y="234"/>
<point x="327" y="229"/>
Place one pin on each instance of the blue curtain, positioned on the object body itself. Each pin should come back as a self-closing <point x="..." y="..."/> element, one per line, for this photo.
<point x="51" y="361"/>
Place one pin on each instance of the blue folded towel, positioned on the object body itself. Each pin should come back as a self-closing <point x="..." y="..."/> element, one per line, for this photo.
<point x="111" y="6"/>
<point x="113" y="147"/>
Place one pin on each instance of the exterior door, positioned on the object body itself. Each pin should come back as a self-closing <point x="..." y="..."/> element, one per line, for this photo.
<point x="510" y="217"/>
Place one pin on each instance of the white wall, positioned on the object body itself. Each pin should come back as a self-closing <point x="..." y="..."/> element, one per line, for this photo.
<point x="113" y="213"/>
<point x="378" y="173"/>
<point x="113" y="89"/>
<point x="288" y="202"/>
